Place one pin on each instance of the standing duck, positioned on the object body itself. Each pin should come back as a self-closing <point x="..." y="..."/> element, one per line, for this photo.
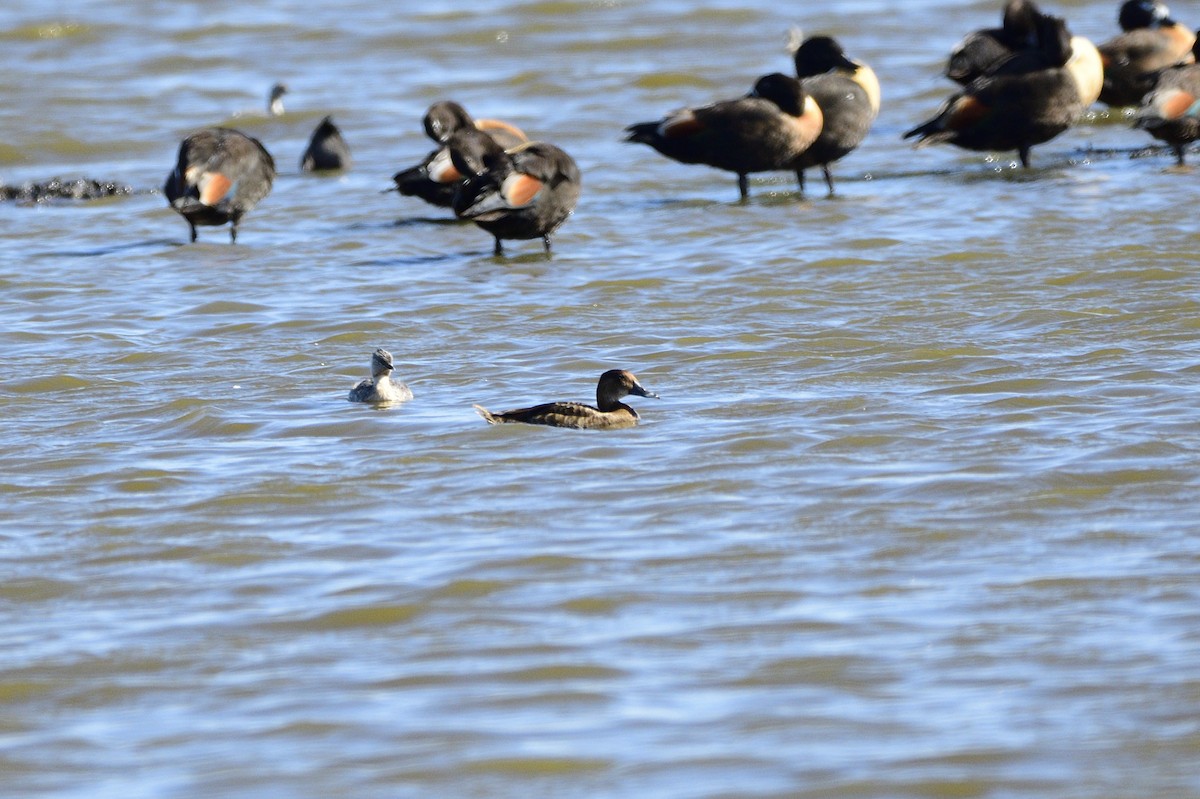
<point x="609" y="414"/>
<point x="524" y="192"/>
<point x="379" y="387"/>
<point x="434" y="179"/>
<point x="765" y="131"/>
<point x="327" y="150"/>
<point x="982" y="50"/>
<point x="1027" y="99"/>
<point x="1151" y="41"/>
<point x="847" y="92"/>
<point x="1171" y="111"/>
<point x="220" y="175"/>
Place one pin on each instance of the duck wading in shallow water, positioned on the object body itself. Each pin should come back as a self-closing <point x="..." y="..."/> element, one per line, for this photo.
<point x="327" y="150"/>
<point x="522" y="193"/>
<point x="1151" y="41"/>
<point x="379" y="387"/>
<point x="1171" y="111"/>
<point x="610" y="413"/>
<point x="1029" y="98"/>
<point x="982" y="50"/>
<point x="847" y="93"/>
<point x="765" y="131"/>
<point x="219" y="176"/>
<point x="434" y="179"/>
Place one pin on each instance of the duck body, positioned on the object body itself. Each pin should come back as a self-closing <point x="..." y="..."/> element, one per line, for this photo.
<point x="1151" y="41"/>
<point x="1171" y="111"/>
<point x="765" y="131"/>
<point x="525" y="192"/>
<point x="380" y="388"/>
<point x="980" y="52"/>
<point x="609" y="414"/>
<point x="220" y="175"/>
<point x="847" y="93"/>
<point x="327" y="150"/>
<point x="1028" y="99"/>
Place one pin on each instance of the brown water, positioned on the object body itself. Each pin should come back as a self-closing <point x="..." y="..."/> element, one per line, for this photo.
<point x="914" y="517"/>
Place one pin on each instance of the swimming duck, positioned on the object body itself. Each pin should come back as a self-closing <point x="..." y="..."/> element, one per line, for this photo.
<point x="982" y="50"/>
<point x="767" y="130"/>
<point x="327" y="149"/>
<point x="380" y="387"/>
<point x="847" y="93"/>
<point x="219" y="176"/>
<point x="434" y="179"/>
<point x="1151" y="41"/>
<point x="524" y="192"/>
<point x="1171" y="111"/>
<point x="275" y="100"/>
<point x="1029" y="98"/>
<point x="610" y="413"/>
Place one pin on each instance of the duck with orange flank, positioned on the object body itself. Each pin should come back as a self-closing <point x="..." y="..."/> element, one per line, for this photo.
<point x="220" y="175"/>
<point x="765" y="131"/>
<point x="1151" y="41"/>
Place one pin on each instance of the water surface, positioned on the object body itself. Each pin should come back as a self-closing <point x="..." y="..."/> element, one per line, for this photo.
<point x="914" y="517"/>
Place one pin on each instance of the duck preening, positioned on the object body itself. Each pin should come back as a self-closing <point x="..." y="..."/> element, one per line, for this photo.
<point x="380" y="387"/>
<point x="1027" y="99"/>
<point x="434" y="179"/>
<point x="846" y="91"/>
<point x="765" y="131"/>
<point x="524" y="192"/>
<point x="609" y="414"/>
<point x="981" y="51"/>
<point x="219" y="176"/>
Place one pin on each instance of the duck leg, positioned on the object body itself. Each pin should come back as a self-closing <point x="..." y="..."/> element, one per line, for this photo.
<point x="1023" y="151"/>
<point x="499" y="248"/>
<point x="800" y="180"/>
<point x="743" y="186"/>
<point x="828" y="178"/>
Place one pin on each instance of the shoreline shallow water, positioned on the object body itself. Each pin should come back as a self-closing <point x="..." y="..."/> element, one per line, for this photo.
<point x="914" y="516"/>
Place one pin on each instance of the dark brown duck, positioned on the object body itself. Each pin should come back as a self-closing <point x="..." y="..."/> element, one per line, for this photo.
<point x="765" y="131"/>
<point x="847" y="93"/>
<point x="434" y="179"/>
<point x="1029" y="98"/>
<point x="1151" y="41"/>
<point x="327" y="150"/>
<point x="609" y="414"/>
<point x="981" y="51"/>
<point x="525" y="192"/>
<point x="219" y="176"/>
<point x="1171" y="111"/>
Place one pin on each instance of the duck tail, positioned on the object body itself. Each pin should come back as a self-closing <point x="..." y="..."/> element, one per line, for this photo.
<point x="487" y="415"/>
<point x="409" y="180"/>
<point x="924" y="130"/>
<point x="642" y="132"/>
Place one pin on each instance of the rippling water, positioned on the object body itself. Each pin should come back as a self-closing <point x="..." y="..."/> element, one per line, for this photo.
<point x="914" y="517"/>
